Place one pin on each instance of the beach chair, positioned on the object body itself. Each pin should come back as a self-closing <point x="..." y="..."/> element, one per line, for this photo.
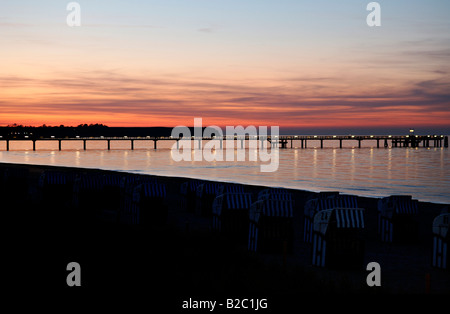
<point x="337" y="241"/>
<point x="441" y="240"/>
<point x="397" y="219"/>
<point x="230" y="214"/>
<point x="276" y="194"/>
<point x="148" y="205"/>
<point x="205" y="195"/>
<point x="188" y="194"/>
<point x="128" y="183"/>
<point x="324" y="201"/>
<point x="57" y="187"/>
<point x="16" y="182"/>
<point x="86" y="196"/>
<point x="230" y="188"/>
<point x="111" y="194"/>
<point x="271" y="226"/>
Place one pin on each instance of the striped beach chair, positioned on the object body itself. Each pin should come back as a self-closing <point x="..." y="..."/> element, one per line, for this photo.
<point x="87" y="196"/>
<point x="327" y="200"/>
<point x="277" y="194"/>
<point x="230" y="188"/>
<point x="205" y="195"/>
<point x="441" y="240"/>
<point x="337" y="242"/>
<point x="271" y="226"/>
<point x="111" y="194"/>
<point x="128" y="183"/>
<point x="188" y="194"/>
<point x="148" y="206"/>
<point x="230" y="214"/>
<point x="57" y="187"/>
<point x="397" y="219"/>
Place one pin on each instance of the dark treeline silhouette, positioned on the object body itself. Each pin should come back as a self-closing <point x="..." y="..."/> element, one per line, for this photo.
<point x="83" y="130"/>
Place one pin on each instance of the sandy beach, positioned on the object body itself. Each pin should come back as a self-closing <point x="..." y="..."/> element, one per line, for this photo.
<point x="182" y="256"/>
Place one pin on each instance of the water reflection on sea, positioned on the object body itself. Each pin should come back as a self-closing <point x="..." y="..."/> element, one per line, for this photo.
<point x="367" y="171"/>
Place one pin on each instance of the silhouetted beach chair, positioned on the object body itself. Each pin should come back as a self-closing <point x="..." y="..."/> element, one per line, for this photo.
<point x="397" y="219"/>
<point x="441" y="240"/>
<point x="188" y="194"/>
<point x="205" y="195"/>
<point x="276" y="194"/>
<point x="128" y="209"/>
<point x="128" y="183"/>
<point x="87" y="196"/>
<point x="111" y="195"/>
<point x="271" y="226"/>
<point x="230" y="188"/>
<point x="231" y="214"/>
<point x="337" y="242"/>
<point x="148" y="207"/>
<point x="16" y="182"/>
<point x="324" y="201"/>
<point x="57" y="188"/>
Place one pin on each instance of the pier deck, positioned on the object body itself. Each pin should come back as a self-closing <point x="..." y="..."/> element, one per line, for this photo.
<point x="282" y="141"/>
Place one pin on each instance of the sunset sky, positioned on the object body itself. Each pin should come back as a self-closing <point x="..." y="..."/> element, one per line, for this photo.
<point x="292" y="63"/>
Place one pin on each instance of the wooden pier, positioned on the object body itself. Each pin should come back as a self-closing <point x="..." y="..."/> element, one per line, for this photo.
<point x="282" y="141"/>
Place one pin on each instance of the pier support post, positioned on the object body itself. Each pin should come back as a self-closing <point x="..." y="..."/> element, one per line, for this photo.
<point x="132" y="144"/>
<point x="154" y="144"/>
<point x="359" y="143"/>
<point x="446" y="141"/>
<point x="386" y="143"/>
<point x="340" y="143"/>
<point x="378" y="143"/>
<point x="109" y="144"/>
<point x="291" y="143"/>
<point x="7" y="145"/>
<point x="303" y="144"/>
<point x="306" y="143"/>
<point x="59" y="144"/>
<point x="84" y="144"/>
<point x="34" y="145"/>
<point x="321" y="143"/>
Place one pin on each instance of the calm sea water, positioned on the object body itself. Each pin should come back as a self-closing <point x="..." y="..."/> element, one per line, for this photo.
<point x="367" y="171"/>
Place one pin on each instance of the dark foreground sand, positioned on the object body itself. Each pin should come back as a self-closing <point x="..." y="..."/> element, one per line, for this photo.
<point x="182" y="259"/>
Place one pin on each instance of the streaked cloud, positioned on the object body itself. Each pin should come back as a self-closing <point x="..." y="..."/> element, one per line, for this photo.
<point x="293" y="64"/>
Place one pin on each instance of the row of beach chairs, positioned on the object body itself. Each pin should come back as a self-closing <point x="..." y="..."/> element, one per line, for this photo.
<point x="106" y="198"/>
<point x="333" y="223"/>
